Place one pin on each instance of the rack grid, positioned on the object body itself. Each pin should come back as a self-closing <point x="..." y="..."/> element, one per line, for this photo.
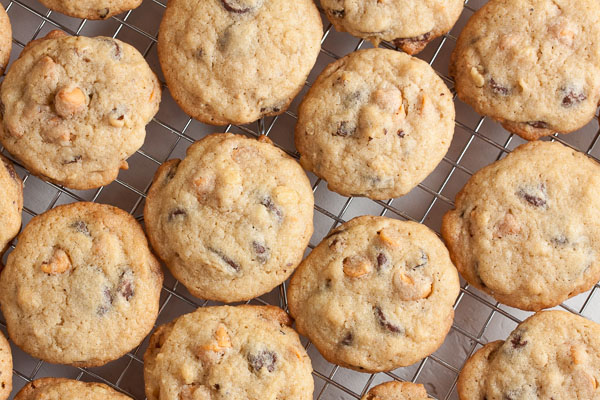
<point x="477" y="142"/>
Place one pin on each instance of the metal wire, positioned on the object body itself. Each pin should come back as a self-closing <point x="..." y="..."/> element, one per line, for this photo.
<point x="478" y="141"/>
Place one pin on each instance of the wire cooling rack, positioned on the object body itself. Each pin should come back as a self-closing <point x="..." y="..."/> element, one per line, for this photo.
<point x="477" y="142"/>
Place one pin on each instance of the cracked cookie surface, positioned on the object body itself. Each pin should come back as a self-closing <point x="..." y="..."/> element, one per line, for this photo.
<point x="75" y="108"/>
<point x="237" y="353"/>
<point x="551" y="355"/>
<point x="91" y="9"/>
<point x="408" y="24"/>
<point x="11" y="202"/>
<point x="235" y="61"/>
<point x="81" y="287"/>
<point x="526" y="229"/>
<point x="504" y="64"/>
<point x="232" y="219"/>
<point x="67" y="389"/>
<point x="375" y="294"/>
<point x="381" y="117"/>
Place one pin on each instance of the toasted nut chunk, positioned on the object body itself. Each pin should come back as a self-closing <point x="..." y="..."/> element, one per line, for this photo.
<point x="389" y="100"/>
<point x="194" y="392"/>
<point x="69" y="101"/>
<point x="357" y="266"/>
<point x="58" y="264"/>
<point x="578" y="354"/>
<point x="477" y="77"/>
<point x="118" y="121"/>
<point x="509" y="225"/>
<point x="410" y="289"/>
<point x="389" y="237"/>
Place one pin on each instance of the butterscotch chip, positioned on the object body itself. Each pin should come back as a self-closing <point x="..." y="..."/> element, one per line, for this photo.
<point x="81" y="286"/>
<point x="391" y="316"/>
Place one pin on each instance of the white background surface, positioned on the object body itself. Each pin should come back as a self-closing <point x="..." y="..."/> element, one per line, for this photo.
<point x="477" y="142"/>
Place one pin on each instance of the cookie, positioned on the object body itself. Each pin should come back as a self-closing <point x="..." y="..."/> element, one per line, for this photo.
<point x="379" y="116"/>
<point x="91" y="9"/>
<point x="81" y="287"/>
<point x="235" y="61"/>
<point x="75" y="108"/>
<point x="243" y="352"/>
<point x="11" y="202"/>
<point x="376" y="294"/>
<point x="231" y="220"/>
<point x="6" y="367"/>
<point x="551" y="355"/>
<point x="505" y="64"/>
<point x="409" y="24"/>
<point x="5" y="39"/>
<point x="67" y="389"/>
<point x="395" y="390"/>
<point x="526" y="229"/>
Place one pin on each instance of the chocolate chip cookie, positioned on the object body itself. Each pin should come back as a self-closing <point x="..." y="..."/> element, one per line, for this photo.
<point x="219" y="353"/>
<point x="376" y="294"/>
<point x="409" y="24"/>
<point x="81" y="287"/>
<point x="375" y="123"/>
<point x="6" y="367"/>
<point x="5" y="39"/>
<point x="91" y="9"/>
<point x="505" y="64"/>
<point x="232" y="219"/>
<point x="397" y="391"/>
<point x="526" y="229"/>
<point x="235" y="61"/>
<point x="11" y="202"/>
<point x="67" y="389"/>
<point x="551" y="355"/>
<point x="75" y="108"/>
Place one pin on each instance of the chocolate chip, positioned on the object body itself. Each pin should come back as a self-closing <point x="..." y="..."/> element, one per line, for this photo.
<point x="534" y="200"/>
<point x="559" y="240"/>
<point x="227" y="260"/>
<point x="81" y="227"/>
<point x="267" y="201"/>
<point x="571" y="97"/>
<point x="269" y="110"/>
<point x="400" y="42"/>
<point x="517" y="341"/>
<point x="348" y="339"/>
<point x="103" y="13"/>
<point x="384" y="323"/>
<point x="126" y="286"/>
<point x="107" y="300"/>
<point x="400" y="133"/>
<point x="333" y="243"/>
<point x="262" y="252"/>
<point x="234" y="6"/>
<point x="117" y="53"/>
<point x="178" y="212"/>
<point x="345" y="128"/>
<point x="381" y="260"/>
<point x="72" y="160"/>
<point x="538" y="124"/>
<point x="263" y="359"/>
<point x="498" y="89"/>
<point x="423" y="260"/>
<point x="338" y="13"/>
